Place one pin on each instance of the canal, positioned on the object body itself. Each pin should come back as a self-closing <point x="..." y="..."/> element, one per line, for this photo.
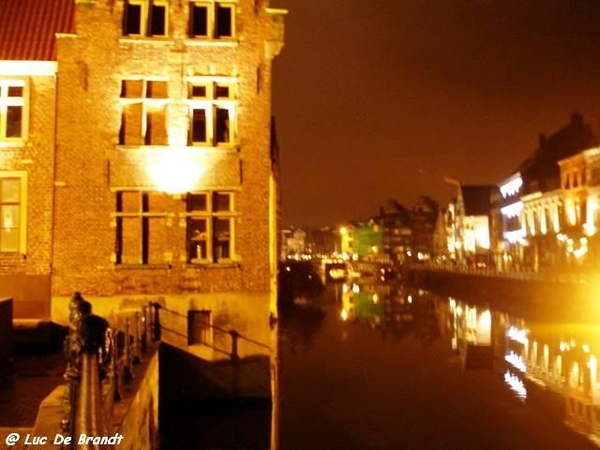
<point x="368" y="365"/>
<point x="381" y="366"/>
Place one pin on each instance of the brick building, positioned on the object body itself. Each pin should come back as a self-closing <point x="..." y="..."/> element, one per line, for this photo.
<point x="136" y="158"/>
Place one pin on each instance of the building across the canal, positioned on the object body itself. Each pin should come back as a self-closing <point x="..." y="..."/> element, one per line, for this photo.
<point x="137" y="162"/>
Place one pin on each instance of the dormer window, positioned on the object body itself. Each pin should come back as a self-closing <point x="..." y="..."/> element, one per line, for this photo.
<point x="145" y="18"/>
<point x="212" y="20"/>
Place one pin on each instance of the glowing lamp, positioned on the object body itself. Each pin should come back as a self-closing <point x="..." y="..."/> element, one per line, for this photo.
<point x="175" y="171"/>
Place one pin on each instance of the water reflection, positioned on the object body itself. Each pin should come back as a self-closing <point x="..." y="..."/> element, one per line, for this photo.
<point x="390" y="308"/>
<point x="559" y="358"/>
<point x="383" y="365"/>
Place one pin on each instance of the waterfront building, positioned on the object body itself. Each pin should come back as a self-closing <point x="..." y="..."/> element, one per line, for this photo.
<point x="423" y="217"/>
<point x="580" y="182"/>
<point x="543" y="208"/>
<point x="469" y="224"/>
<point x="394" y="219"/>
<point x="137" y="162"/>
<point x="513" y="232"/>
<point x="368" y="241"/>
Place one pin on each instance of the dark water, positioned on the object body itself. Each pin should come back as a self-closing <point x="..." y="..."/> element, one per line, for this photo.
<point x="381" y="366"/>
<point x="384" y="367"/>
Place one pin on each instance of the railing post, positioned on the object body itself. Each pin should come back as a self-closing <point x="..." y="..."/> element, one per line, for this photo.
<point x="156" y="322"/>
<point x="127" y="363"/>
<point x="235" y="359"/>
<point x="72" y="348"/>
<point x="137" y="350"/>
<point x="234" y="344"/>
<point x="144" y="329"/>
<point x="114" y="366"/>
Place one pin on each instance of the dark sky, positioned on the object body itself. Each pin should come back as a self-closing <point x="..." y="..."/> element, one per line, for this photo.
<point x="365" y="93"/>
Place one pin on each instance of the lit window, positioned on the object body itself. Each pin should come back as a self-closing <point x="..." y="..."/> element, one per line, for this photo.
<point x="145" y="18"/>
<point x="212" y="113"/>
<point x="12" y="212"/>
<point x="210" y="227"/>
<point x="12" y="110"/>
<point x="213" y="20"/>
<point x="199" y="327"/>
<point x="144" y="104"/>
<point x="141" y="235"/>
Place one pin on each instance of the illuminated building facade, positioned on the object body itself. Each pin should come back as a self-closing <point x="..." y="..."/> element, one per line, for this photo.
<point x="145" y="163"/>
<point x="532" y="201"/>
<point x="513" y="231"/>
<point x="469" y="224"/>
<point x="580" y="182"/>
<point x="28" y="78"/>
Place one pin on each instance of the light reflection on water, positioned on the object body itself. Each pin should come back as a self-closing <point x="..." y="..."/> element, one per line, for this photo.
<point x="386" y="366"/>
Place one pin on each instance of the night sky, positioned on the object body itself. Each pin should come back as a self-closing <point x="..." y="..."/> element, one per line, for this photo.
<point x="366" y="93"/>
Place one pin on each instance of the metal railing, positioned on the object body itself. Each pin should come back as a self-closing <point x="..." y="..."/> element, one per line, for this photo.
<point x="559" y="276"/>
<point x="99" y="359"/>
<point x="234" y="337"/>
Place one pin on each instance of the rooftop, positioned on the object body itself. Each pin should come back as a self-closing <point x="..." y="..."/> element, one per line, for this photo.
<point x="28" y="28"/>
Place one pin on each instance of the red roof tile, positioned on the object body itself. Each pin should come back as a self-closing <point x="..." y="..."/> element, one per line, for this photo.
<point x="28" y="27"/>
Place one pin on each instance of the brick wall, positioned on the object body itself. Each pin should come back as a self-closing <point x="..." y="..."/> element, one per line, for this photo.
<point x="91" y="166"/>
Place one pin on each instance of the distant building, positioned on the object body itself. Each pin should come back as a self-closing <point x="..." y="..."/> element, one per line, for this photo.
<point x="368" y="240"/>
<point x="324" y="240"/>
<point x="469" y="224"/>
<point x="423" y="218"/>
<point x="295" y="243"/>
<point x="395" y="221"/>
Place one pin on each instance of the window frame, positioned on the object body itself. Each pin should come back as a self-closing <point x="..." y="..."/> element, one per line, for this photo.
<point x="146" y="23"/>
<point x="144" y="214"/>
<point x="7" y="101"/>
<point x="22" y="203"/>
<point x="212" y="19"/>
<point x="210" y="215"/>
<point x="150" y="104"/>
<point x="212" y="102"/>
<point x="200" y="328"/>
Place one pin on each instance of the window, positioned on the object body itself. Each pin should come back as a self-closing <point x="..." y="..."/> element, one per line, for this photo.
<point x="141" y="235"/>
<point x="210" y="227"/>
<point x="145" y="18"/>
<point x="212" y="113"/>
<point x="199" y="327"/>
<point x="213" y="20"/>
<point x="12" y="114"/>
<point x="144" y="104"/>
<point x="12" y="212"/>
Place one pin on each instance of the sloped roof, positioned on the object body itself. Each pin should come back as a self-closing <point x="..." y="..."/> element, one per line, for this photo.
<point x="28" y="28"/>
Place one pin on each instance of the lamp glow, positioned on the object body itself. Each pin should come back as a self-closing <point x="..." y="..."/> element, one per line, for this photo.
<point x="175" y="171"/>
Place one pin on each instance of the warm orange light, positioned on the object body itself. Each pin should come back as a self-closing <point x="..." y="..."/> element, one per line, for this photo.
<point x="175" y="171"/>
